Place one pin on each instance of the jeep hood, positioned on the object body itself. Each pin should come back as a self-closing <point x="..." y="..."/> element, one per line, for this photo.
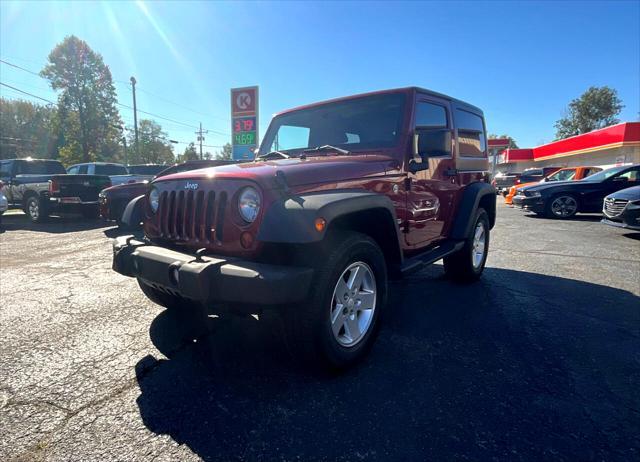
<point x="298" y="172"/>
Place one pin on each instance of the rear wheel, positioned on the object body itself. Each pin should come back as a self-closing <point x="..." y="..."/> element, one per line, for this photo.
<point x="562" y="206"/>
<point x="467" y="264"/>
<point x="338" y="323"/>
<point x="36" y="209"/>
<point x="90" y="211"/>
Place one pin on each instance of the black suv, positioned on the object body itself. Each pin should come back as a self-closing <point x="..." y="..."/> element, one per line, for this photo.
<point x="563" y="199"/>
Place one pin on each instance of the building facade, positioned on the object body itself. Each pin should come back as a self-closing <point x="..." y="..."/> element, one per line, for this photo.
<point x="611" y="146"/>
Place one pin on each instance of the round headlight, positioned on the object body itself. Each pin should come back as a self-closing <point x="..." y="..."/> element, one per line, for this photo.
<point x="154" y="199"/>
<point x="249" y="204"/>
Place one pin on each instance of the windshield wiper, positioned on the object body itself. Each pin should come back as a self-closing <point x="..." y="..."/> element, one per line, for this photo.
<point x="274" y="154"/>
<point x="328" y="147"/>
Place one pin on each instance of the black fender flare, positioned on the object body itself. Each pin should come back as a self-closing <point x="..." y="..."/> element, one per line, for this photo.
<point x="133" y="213"/>
<point x="469" y="203"/>
<point x="292" y="219"/>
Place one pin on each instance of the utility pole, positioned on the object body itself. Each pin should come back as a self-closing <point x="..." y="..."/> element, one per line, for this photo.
<point x="135" y="115"/>
<point x="124" y="141"/>
<point x="201" y="138"/>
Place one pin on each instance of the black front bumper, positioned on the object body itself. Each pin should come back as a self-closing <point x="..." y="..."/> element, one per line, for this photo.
<point x="629" y="218"/>
<point x="531" y="204"/>
<point x="210" y="279"/>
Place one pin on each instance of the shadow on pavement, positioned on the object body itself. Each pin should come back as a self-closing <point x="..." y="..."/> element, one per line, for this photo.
<point x="579" y="217"/>
<point x="54" y="224"/>
<point x="517" y="366"/>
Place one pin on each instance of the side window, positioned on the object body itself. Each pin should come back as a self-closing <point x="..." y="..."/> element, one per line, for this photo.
<point x="430" y="115"/>
<point x="631" y="175"/>
<point x="82" y="169"/>
<point x="5" y="168"/>
<point x="471" y="135"/>
<point x="73" y="170"/>
<point x="291" y="137"/>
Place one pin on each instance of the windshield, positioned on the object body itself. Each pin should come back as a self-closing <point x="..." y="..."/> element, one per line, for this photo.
<point x="605" y="174"/>
<point x="146" y="169"/>
<point x="111" y="169"/>
<point x="41" y="167"/>
<point x="562" y="175"/>
<point x="363" y="123"/>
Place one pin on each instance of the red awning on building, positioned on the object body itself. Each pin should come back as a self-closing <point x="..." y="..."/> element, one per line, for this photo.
<point x="615" y="136"/>
<point x="624" y="134"/>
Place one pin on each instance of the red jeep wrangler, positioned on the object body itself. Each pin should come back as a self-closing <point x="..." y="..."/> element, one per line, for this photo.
<point x="342" y="196"/>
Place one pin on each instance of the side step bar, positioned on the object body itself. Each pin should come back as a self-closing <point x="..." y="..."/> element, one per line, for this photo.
<point x="430" y="256"/>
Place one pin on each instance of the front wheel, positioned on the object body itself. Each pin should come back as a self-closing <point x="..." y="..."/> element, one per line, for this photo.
<point x="338" y="323"/>
<point x="467" y="264"/>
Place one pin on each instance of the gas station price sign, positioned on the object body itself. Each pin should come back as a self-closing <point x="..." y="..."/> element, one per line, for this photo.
<point x="244" y="122"/>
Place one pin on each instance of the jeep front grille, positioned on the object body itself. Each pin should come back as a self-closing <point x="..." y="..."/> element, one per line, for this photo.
<point x="196" y="216"/>
<point x="614" y="207"/>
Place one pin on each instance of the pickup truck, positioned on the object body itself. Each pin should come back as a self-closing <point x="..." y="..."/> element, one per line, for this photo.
<point x="42" y="186"/>
<point x="502" y="181"/>
<point x="118" y="173"/>
<point x="115" y="199"/>
<point x="343" y="196"/>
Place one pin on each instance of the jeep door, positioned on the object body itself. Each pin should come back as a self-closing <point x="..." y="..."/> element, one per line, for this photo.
<point x="431" y="190"/>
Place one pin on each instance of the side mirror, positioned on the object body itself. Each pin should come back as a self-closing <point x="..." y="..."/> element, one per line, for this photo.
<point x="429" y="143"/>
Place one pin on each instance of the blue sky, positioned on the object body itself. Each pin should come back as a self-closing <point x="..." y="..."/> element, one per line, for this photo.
<point x="521" y="62"/>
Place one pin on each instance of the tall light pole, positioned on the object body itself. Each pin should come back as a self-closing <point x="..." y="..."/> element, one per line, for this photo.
<point x="135" y="114"/>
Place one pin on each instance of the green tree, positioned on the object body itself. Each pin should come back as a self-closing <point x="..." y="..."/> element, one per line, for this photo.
<point x="190" y="153"/>
<point x="87" y="103"/>
<point x="512" y="142"/>
<point x="596" y="108"/>
<point x="225" y="153"/>
<point x="26" y="129"/>
<point x="153" y="147"/>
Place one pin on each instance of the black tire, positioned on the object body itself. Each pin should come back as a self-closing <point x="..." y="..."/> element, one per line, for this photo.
<point x="460" y="265"/>
<point x="36" y="209"/>
<point x="550" y="210"/>
<point x="91" y="212"/>
<point x="309" y="326"/>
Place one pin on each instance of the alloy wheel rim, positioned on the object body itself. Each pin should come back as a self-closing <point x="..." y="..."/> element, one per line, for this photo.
<point x="564" y="206"/>
<point x="479" y="245"/>
<point x="353" y="304"/>
<point x="34" y="209"/>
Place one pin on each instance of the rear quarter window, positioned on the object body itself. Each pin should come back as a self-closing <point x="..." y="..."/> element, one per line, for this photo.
<point x="471" y="136"/>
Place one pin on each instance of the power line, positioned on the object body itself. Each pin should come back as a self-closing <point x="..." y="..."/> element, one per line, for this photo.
<point x="118" y="103"/>
<point x="26" y="93"/>
<point x="21" y="68"/>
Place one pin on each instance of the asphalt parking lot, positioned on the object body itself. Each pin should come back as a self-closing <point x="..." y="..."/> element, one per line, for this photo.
<point x="539" y="360"/>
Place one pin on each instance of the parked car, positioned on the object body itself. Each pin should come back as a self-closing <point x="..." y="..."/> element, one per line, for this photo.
<point x="564" y="174"/>
<point x="147" y="171"/>
<point x="118" y="173"/>
<point x="622" y="208"/>
<point x="42" y="186"/>
<point x="114" y="200"/>
<point x="503" y="181"/>
<point x="4" y="203"/>
<point x="563" y="199"/>
<point x="314" y="228"/>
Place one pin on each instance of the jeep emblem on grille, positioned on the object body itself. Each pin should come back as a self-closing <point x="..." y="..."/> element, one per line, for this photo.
<point x="193" y="186"/>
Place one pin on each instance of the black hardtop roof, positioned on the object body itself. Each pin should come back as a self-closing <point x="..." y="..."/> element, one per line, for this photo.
<point x="461" y="104"/>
